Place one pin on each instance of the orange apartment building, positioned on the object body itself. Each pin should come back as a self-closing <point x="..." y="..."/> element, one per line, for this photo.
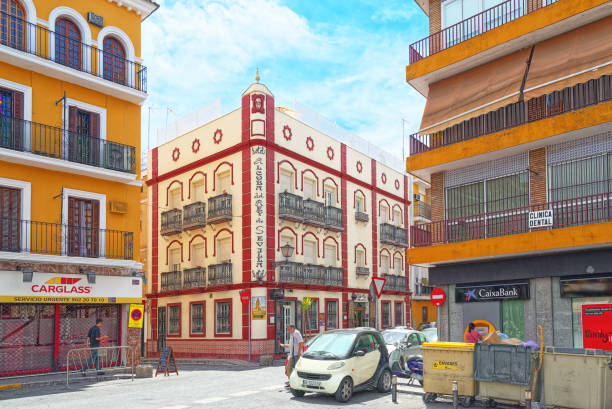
<point x="230" y="198"/>
<point x="516" y="142"/>
<point x="71" y="87"/>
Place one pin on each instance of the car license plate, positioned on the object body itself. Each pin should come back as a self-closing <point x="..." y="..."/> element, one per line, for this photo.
<point x="308" y="382"/>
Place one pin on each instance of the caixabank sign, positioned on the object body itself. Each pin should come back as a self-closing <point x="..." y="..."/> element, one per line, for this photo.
<point x="68" y="288"/>
<point x="492" y="292"/>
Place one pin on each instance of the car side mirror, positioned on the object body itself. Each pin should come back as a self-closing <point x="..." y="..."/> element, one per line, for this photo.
<point x="359" y="352"/>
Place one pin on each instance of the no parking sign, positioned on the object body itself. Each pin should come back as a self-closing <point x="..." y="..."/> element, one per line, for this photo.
<point x="136" y="316"/>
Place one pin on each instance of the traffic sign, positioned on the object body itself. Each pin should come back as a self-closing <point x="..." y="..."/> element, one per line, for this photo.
<point x="245" y="296"/>
<point x="379" y="284"/>
<point x="136" y="314"/>
<point x="438" y="297"/>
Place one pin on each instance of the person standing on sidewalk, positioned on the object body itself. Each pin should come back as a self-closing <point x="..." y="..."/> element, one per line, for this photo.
<point x="93" y="339"/>
<point x="296" y="346"/>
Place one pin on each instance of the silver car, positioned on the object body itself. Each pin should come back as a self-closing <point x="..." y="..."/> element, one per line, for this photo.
<point x="403" y="345"/>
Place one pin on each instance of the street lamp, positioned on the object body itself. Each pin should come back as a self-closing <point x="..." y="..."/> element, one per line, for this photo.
<point x="287" y="251"/>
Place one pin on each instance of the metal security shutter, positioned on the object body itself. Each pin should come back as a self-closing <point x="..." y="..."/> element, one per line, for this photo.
<point x="580" y="148"/>
<point x="487" y="170"/>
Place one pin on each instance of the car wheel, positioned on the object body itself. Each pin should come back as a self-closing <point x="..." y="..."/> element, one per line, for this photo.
<point x="297" y="393"/>
<point x="345" y="390"/>
<point x="384" y="382"/>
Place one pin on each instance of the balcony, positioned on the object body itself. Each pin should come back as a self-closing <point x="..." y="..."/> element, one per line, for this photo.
<point x="220" y="208"/>
<point x="362" y="271"/>
<point x="395" y="283"/>
<point x="45" y="44"/>
<point x="57" y="143"/>
<point x="219" y="274"/>
<point x="27" y="236"/>
<point x="334" y="276"/>
<point x="422" y="290"/>
<point x="566" y="213"/>
<point x="387" y="233"/>
<point x="471" y="27"/>
<point x="579" y="96"/>
<point x="194" y="278"/>
<point x="290" y="272"/>
<point x="362" y="217"/>
<point x="421" y="209"/>
<point x="314" y="213"/>
<point x="171" y="281"/>
<point x="334" y="218"/>
<point x="171" y="222"/>
<point x="194" y="216"/>
<point x="290" y="207"/>
<point x="401" y="237"/>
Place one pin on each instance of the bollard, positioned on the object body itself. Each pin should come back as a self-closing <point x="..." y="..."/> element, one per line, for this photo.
<point x="528" y="399"/>
<point x="394" y="389"/>
<point x="455" y="395"/>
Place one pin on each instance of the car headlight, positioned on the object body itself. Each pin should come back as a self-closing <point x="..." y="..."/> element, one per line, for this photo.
<point x="336" y="365"/>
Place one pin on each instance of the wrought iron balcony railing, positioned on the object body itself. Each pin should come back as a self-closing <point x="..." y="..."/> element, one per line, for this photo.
<point x="220" y="208"/>
<point x="362" y="217"/>
<point x="27" y="236"/>
<point x="592" y="92"/>
<point x="194" y="215"/>
<point x="421" y="209"/>
<point x="171" y="281"/>
<point x="194" y="277"/>
<point x="51" y="142"/>
<point x="314" y="213"/>
<point x="487" y="20"/>
<point x="395" y="283"/>
<point x="334" y="276"/>
<point x="219" y="274"/>
<point x="290" y="206"/>
<point x="401" y="237"/>
<point x="387" y="233"/>
<point x="292" y="272"/>
<point x="362" y="271"/>
<point x="334" y="218"/>
<point x="33" y="39"/>
<point x="171" y="222"/>
<point x="565" y="213"/>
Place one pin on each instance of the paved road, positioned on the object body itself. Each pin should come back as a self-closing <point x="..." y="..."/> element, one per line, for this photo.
<point x="197" y="388"/>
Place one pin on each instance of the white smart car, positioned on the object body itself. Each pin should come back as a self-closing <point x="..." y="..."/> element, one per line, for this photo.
<point x="341" y="362"/>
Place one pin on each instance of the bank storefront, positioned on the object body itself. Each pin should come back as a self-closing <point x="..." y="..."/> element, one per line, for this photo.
<point x="44" y="315"/>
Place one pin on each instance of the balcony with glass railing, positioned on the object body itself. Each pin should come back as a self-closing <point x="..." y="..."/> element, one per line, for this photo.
<point x="20" y="35"/>
<point x="57" y="143"/>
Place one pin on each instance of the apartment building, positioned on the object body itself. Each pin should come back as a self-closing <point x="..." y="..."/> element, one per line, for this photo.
<point x="258" y="201"/>
<point x="71" y="86"/>
<point x="516" y="142"/>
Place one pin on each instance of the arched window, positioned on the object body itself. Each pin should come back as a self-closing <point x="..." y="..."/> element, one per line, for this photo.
<point x="12" y="24"/>
<point x="114" y="60"/>
<point x="67" y="43"/>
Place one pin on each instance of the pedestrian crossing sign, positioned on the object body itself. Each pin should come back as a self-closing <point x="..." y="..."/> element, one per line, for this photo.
<point x="136" y="316"/>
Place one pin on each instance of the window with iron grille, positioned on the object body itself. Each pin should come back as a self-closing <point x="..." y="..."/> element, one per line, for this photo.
<point x="197" y="319"/>
<point x="223" y="319"/>
<point x="312" y="320"/>
<point x="386" y="314"/>
<point x="332" y="314"/>
<point x="399" y="313"/>
<point x="174" y="320"/>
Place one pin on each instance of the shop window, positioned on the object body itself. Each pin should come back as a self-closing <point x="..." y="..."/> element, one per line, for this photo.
<point x="312" y="317"/>
<point x="197" y="319"/>
<point x="577" y="304"/>
<point x="386" y="314"/>
<point x="399" y="313"/>
<point x="513" y="318"/>
<point x="310" y="189"/>
<point x="331" y="308"/>
<point x="10" y="214"/>
<point x="223" y="317"/>
<point x="174" y="320"/>
<point x="286" y="181"/>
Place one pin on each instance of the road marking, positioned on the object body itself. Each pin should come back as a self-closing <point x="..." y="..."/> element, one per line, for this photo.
<point x="272" y="388"/>
<point x="10" y="386"/>
<point x="211" y="400"/>
<point x="175" y="407"/>
<point x="243" y="393"/>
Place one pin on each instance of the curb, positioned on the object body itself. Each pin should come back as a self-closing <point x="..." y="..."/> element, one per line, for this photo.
<point x="56" y="382"/>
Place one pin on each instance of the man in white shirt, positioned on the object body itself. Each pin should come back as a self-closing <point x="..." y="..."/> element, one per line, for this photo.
<point x="296" y="346"/>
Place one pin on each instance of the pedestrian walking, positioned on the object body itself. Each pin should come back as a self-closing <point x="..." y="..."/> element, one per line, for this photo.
<point x="472" y="335"/>
<point x="93" y="340"/>
<point x="296" y="346"/>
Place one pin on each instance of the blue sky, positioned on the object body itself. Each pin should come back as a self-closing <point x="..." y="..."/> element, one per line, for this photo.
<point x="345" y="59"/>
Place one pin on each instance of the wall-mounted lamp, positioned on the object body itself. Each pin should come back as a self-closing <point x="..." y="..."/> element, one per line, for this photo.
<point x="27" y="274"/>
<point x="91" y="277"/>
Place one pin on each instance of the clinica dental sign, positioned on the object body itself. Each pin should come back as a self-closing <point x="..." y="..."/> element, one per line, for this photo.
<point x="541" y="218"/>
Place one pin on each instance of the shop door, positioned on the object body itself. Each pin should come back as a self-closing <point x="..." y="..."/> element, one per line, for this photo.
<point x="26" y="338"/>
<point x="360" y="320"/>
<point x="287" y="320"/>
<point x="161" y="328"/>
<point x="75" y="322"/>
<point x="513" y="318"/>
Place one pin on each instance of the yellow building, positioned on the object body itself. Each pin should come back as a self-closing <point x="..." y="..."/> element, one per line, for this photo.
<point x="71" y="88"/>
<point x="230" y="196"/>
<point x="516" y="142"/>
